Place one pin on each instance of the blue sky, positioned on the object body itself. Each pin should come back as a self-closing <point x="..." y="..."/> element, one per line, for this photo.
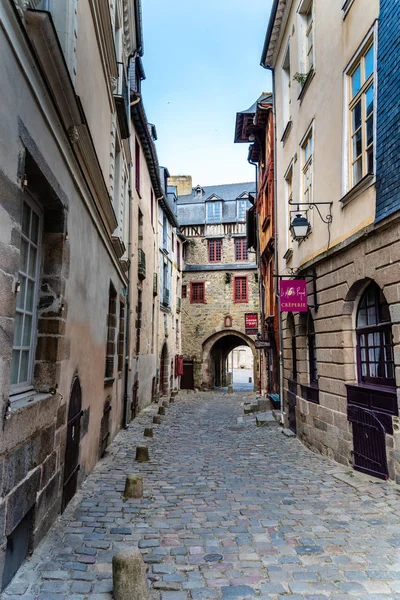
<point x="201" y="59"/>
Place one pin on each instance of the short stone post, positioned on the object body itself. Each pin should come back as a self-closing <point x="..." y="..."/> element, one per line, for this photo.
<point x="133" y="487"/>
<point x="165" y="403"/>
<point x="172" y="400"/>
<point x="129" y="576"/>
<point x="148" y="432"/>
<point x="230" y="389"/>
<point x="161" y="410"/>
<point x="157" y="420"/>
<point x="142" y="454"/>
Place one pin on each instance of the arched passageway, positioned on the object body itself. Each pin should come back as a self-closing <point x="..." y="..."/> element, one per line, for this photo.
<point x="216" y="351"/>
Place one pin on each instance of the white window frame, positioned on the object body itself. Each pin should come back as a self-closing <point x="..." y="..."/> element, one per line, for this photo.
<point x="310" y="132"/>
<point x="246" y="207"/>
<point x="289" y="174"/>
<point x="371" y="36"/>
<point x="209" y="216"/>
<point x="303" y="10"/>
<point x="18" y="388"/>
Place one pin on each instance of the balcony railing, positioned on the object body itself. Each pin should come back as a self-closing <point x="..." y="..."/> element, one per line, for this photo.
<point x="121" y="97"/>
<point x="165" y="297"/>
<point x="142" y="265"/>
<point x="178" y="304"/>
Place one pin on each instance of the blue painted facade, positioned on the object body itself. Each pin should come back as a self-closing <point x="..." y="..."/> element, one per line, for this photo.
<point x="388" y="111"/>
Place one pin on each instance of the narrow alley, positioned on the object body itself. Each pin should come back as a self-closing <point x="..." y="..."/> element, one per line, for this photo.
<point x="229" y="510"/>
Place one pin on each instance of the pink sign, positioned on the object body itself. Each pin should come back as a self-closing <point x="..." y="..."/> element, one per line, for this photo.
<point x="293" y="294"/>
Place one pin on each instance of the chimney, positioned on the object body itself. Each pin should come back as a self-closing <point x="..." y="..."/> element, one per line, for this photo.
<point x="183" y="183"/>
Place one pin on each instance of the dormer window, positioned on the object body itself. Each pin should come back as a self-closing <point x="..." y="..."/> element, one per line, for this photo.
<point x="198" y="191"/>
<point x="214" y="212"/>
<point x="242" y="207"/>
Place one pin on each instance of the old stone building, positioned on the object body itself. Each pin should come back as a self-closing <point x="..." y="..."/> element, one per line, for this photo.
<point x="65" y="169"/>
<point x="338" y="192"/>
<point x="220" y="282"/>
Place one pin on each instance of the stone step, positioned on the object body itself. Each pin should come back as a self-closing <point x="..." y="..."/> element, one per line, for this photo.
<point x="266" y="419"/>
<point x="264" y="404"/>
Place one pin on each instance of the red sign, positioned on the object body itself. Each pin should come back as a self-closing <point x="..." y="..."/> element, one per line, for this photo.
<point x="293" y="295"/>
<point x="251" y="323"/>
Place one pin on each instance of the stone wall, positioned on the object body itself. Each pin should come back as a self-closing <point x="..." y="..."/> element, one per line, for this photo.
<point x="341" y="279"/>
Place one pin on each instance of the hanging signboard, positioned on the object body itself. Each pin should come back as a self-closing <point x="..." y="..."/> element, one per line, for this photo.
<point x="260" y="344"/>
<point x="293" y="295"/>
<point x="251" y="323"/>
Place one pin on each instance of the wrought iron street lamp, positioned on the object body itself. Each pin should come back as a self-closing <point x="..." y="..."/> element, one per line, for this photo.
<point x="300" y="226"/>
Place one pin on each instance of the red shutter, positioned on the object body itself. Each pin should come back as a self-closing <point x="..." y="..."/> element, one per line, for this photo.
<point x="240" y="292"/>
<point x="197" y="293"/>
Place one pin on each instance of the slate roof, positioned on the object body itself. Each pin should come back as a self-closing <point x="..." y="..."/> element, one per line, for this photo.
<point x="192" y="208"/>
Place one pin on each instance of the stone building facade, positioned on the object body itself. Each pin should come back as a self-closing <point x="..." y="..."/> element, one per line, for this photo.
<point x="220" y="281"/>
<point x="342" y="357"/>
<point x="65" y="167"/>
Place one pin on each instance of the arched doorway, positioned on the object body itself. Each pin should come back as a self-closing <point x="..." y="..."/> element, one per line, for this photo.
<point x="163" y="383"/>
<point x="71" y="464"/>
<point x="216" y="350"/>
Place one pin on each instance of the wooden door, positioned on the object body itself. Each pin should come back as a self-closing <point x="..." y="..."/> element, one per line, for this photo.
<point x="71" y="464"/>
<point x="187" y="379"/>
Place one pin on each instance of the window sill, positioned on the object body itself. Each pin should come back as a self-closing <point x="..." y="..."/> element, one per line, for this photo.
<point x="288" y="254"/>
<point x="265" y="223"/>
<point x="306" y="85"/>
<point x="346" y="7"/>
<point x="287" y="130"/>
<point x="25" y="399"/>
<point x="108" y="381"/>
<point x="358" y="189"/>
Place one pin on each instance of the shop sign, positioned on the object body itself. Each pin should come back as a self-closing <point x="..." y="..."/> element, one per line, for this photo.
<point x="293" y="293"/>
<point x="251" y="323"/>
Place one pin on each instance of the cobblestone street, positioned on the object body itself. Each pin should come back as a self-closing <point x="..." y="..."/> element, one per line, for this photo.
<point x="284" y="520"/>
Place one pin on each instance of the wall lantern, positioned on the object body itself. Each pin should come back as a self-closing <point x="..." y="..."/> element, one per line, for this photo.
<point x="300" y="226"/>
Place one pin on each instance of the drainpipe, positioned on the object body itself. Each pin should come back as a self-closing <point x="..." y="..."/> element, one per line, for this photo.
<point x="258" y="254"/>
<point x="276" y="264"/>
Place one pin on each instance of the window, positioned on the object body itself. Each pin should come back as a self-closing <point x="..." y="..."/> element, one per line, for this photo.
<point x="184" y="291"/>
<point x="172" y="241"/>
<point x="137" y="166"/>
<point x="197" y="295"/>
<point x="25" y="318"/>
<point x="309" y="39"/>
<point x="289" y="199"/>
<point x="152" y="207"/>
<point x="374" y="339"/>
<point x="214" y="212"/>
<point x="242" y="207"/>
<point x="138" y="323"/>
<point x="240" y="292"/>
<point x="306" y="37"/>
<point x="121" y="336"/>
<point x="165" y="232"/>
<point x="312" y="351"/>
<point x="111" y="331"/>
<point x="241" y="252"/>
<point x="214" y="250"/>
<point x="286" y="89"/>
<point x="307" y="162"/>
<point x="178" y="254"/>
<point x="361" y="115"/>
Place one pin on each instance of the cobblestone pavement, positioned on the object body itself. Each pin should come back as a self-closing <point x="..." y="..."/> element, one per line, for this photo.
<point x="284" y="524"/>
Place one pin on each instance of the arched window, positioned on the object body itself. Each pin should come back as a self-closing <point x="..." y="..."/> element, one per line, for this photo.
<point x="374" y="339"/>
<point x="292" y="334"/>
<point x="312" y="351"/>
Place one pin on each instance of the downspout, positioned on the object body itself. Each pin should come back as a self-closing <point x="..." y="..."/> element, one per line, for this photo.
<point x="258" y="254"/>
<point x="276" y="264"/>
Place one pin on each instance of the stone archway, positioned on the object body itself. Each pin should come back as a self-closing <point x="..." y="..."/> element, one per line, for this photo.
<point x="215" y="351"/>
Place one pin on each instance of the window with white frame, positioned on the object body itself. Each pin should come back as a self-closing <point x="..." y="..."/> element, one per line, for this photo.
<point x="360" y="88"/>
<point x="307" y="167"/>
<point x="289" y="208"/>
<point x="306" y="36"/>
<point x="25" y="318"/>
<point x="214" y="212"/>
<point x="242" y="207"/>
<point x="286" y="89"/>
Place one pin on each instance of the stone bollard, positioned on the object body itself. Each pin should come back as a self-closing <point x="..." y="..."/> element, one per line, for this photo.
<point x="230" y="389"/>
<point x="165" y="403"/>
<point x="142" y="454"/>
<point x="148" y="432"/>
<point x="157" y="420"/>
<point x="129" y="576"/>
<point x="172" y="400"/>
<point x="161" y="410"/>
<point x="133" y="487"/>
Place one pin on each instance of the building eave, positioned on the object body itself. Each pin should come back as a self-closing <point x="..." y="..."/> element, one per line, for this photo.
<point x="273" y="33"/>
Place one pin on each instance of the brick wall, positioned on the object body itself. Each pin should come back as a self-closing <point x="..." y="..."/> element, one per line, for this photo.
<point x="388" y="132"/>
